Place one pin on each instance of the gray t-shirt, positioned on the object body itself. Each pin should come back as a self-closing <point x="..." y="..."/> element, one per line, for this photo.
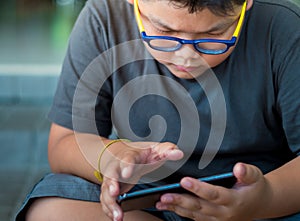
<point x="246" y="109"/>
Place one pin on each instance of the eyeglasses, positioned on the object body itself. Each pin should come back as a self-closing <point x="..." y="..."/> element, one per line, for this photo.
<point x="205" y="46"/>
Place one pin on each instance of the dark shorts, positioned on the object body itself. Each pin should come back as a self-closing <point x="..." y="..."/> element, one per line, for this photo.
<point x="72" y="187"/>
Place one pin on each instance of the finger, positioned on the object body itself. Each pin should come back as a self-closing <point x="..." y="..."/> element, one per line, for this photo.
<point x="190" y="203"/>
<point x="134" y="165"/>
<point x="167" y="151"/>
<point x="110" y="187"/>
<point x="246" y="174"/>
<point x="193" y="215"/>
<point x="127" y="166"/>
<point x="184" y="200"/>
<point x="114" y="188"/>
<point x="106" y="210"/>
<point x="108" y="201"/>
<point x="174" y="154"/>
<point x="179" y="209"/>
<point x="212" y="193"/>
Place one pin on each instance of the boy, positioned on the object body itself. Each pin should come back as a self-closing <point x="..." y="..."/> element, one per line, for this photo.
<point x="212" y="87"/>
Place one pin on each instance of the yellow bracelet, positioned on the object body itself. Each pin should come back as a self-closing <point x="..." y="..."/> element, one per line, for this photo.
<point x="97" y="173"/>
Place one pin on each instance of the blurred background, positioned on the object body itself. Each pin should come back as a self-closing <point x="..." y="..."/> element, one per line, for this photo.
<point x="33" y="41"/>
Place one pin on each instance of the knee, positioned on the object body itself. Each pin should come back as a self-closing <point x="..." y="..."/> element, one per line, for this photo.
<point x="42" y="209"/>
<point x="62" y="209"/>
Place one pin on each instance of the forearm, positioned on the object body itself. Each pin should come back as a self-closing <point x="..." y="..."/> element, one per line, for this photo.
<point x="75" y="154"/>
<point x="285" y="195"/>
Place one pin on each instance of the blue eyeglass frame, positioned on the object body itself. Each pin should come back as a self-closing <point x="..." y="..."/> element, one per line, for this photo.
<point x="228" y="43"/>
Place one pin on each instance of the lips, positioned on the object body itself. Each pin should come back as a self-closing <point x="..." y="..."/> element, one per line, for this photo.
<point x="186" y="69"/>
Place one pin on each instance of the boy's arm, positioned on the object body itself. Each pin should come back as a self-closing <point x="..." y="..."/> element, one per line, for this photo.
<point x="78" y="154"/>
<point x="284" y="183"/>
<point x="67" y="155"/>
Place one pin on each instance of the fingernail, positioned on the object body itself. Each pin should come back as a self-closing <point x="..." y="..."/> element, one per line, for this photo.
<point x="161" y="206"/>
<point x="116" y="215"/>
<point x="174" y="151"/>
<point x="242" y="169"/>
<point x="125" y="172"/>
<point x="187" y="184"/>
<point x="112" y="189"/>
<point x="167" y="199"/>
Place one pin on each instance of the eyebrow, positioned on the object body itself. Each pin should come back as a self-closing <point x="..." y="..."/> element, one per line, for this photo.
<point x="217" y="27"/>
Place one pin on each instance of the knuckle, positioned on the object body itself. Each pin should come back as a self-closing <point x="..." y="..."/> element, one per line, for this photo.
<point x="213" y="194"/>
<point x="168" y="145"/>
<point x="198" y="205"/>
<point x="127" y="159"/>
<point x="195" y="215"/>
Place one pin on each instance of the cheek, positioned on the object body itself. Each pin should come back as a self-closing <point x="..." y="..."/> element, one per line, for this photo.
<point x="215" y="60"/>
<point x="162" y="57"/>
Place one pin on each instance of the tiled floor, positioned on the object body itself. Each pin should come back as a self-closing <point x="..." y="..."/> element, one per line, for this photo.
<point x="23" y="153"/>
<point x="33" y="39"/>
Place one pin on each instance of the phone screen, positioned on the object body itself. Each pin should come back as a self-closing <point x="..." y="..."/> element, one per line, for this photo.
<point x="147" y="198"/>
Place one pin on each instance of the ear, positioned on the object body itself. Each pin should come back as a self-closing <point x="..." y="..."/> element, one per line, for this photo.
<point x="249" y="4"/>
<point x="130" y="1"/>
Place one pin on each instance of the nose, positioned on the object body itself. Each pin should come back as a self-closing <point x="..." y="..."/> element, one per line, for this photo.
<point x="187" y="51"/>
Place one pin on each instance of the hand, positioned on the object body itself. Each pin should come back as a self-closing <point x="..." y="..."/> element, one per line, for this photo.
<point x="215" y="203"/>
<point x="125" y="163"/>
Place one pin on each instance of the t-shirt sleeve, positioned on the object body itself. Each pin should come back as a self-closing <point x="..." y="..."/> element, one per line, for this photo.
<point x="287" y="66"/>
<point x="87" y="41"/>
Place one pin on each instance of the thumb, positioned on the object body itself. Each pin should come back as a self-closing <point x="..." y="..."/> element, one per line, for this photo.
<point x="246" y="174"/>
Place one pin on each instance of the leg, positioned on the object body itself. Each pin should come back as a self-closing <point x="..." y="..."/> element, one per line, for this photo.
<point x="56" y="209"/>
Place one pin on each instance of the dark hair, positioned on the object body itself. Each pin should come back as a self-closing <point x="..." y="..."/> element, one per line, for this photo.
<point x="218" y="7"/>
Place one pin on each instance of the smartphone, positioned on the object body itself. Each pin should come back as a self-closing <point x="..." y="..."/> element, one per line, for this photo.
<point x="147" y="198"/>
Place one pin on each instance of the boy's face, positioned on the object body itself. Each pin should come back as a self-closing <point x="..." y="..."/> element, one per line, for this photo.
<point x="164" y="19"/>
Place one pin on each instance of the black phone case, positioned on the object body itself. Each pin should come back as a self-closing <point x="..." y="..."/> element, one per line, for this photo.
<point x="147" y="198"/>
